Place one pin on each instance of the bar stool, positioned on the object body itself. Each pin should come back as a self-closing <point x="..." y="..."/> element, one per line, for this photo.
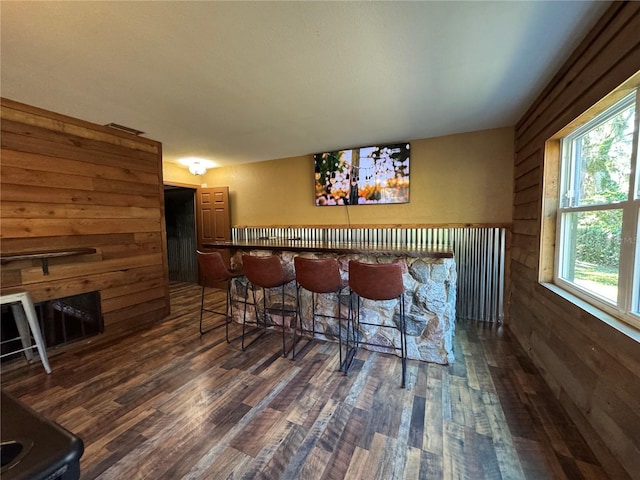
<point x="318" y="276"/>
<point x="26" y="319"/>
<point x="214" y="272"/>
<point x="378" y="282"/>
<point x="266" y="272"/>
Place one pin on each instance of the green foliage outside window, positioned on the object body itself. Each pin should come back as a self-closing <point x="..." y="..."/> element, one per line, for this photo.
<point x="605" y="162"/>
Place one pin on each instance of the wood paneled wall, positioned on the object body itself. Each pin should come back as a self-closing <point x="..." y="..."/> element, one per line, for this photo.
<point x="592" y="367"/>
<point x="66" y="183"/>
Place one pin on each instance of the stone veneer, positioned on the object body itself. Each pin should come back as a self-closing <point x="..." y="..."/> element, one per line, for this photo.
<point x="430" y="300"/>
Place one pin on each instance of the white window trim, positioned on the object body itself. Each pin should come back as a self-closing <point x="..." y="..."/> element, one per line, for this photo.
<point x="629" y="270"/>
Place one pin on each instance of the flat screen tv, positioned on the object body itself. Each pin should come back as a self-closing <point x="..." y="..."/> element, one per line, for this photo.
<point x="361" y="176"/>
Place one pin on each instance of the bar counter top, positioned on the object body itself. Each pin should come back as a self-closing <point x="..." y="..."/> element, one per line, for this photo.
<point x="299" y="245"/>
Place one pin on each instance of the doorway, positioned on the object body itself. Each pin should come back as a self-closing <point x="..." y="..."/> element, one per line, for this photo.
<point x="180" y="221"/>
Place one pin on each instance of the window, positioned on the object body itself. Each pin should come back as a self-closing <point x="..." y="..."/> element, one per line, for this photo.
<point x="598" y="258"/>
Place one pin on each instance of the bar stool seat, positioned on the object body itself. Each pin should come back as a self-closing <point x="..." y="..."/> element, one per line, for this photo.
<point x="24" y="314"/>
<point x="319" y="276"/>
<point x="213" y="273"/>
<point x="377" y="282"/>
<point x="266" y="273"/>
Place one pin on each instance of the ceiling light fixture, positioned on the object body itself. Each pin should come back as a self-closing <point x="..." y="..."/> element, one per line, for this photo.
<point x="197" y="168"/>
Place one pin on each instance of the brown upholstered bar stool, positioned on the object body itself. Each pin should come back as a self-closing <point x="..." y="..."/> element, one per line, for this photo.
<point x="318" y="276"/>
<point x="266" y="272"/>
<point x="376" y="282"/>
<point x="214" y="274"/>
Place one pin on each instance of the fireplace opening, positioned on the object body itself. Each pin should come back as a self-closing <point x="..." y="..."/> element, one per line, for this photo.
<point x="62" y="321"/>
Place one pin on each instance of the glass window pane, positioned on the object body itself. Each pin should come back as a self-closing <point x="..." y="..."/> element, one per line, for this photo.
<point x="591" y="251"/>
<point x="635" y="292"/>
<point x="602" y="161"/>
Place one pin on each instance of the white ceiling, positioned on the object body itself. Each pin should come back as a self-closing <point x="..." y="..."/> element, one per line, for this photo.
<point x="249" y="81"/>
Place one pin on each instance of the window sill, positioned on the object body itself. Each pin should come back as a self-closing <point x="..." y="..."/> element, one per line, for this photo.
<point x="610" y="320"/>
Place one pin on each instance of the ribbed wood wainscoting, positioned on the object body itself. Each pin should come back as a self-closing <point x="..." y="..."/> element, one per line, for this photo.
<point x="480" y="252"/>
<point x="166" y="403"/>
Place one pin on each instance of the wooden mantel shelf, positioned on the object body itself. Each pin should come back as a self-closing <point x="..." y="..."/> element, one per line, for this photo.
<point x="44" y="256"/>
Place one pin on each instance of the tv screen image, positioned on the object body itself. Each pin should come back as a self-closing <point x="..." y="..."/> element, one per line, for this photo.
<point x="360" y="176"/>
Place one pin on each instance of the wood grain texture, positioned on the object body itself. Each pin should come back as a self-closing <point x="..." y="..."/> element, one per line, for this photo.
<point x="165" y="402"/>
<point x="67" y="183"/>
<point x="592" y="368"/>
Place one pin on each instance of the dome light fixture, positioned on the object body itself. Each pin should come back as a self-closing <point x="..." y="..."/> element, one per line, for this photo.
<point x="197" y="168"/>
<point x="197" y="165"/>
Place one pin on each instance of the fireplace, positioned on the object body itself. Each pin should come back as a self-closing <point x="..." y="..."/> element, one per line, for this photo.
<point x="62" y="321"/>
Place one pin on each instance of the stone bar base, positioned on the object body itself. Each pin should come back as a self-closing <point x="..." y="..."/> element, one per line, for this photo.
<point x="430" y="299"/>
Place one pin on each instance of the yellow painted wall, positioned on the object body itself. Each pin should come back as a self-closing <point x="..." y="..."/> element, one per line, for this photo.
<point x="464" y="178"/>
<point x="174" y="174"/>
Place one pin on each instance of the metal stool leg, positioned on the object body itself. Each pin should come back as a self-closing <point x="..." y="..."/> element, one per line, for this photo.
<point x="229" y="311"/>
<point x="32" y="318"/>
<point x="23" y="330"/>
<point x="244" y="315"/>
<point x="284" y="343"/>
<point x="201" y="309"/>
<point x="352" y="329"/>
<point x="403" y="342"/>
<point x="340" y="337"/>
<point x="295" y="322"/>
<point x="260" y="330"/>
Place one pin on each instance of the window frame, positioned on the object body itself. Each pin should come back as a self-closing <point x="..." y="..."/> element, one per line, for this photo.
<point x="627" y="305"/>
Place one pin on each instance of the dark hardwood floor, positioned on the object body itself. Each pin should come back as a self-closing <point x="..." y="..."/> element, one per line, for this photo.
<point x="165" y="403"/>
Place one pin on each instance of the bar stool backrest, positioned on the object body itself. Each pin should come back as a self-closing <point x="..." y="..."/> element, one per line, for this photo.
<point x="213" y="269"/>
<point x="265" y="272"/>
<point x="380" y="281"/>
<point x="319" y="275"/>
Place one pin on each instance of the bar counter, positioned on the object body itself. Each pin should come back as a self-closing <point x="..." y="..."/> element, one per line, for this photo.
<point x="430" y="291"/>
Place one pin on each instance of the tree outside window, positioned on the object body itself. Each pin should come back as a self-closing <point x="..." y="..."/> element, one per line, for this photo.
<point x="598" y="257"/>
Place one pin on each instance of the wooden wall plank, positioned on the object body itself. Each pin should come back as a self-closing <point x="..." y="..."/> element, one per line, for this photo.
<point x="35" y="275"/>
<point x="60" y="165"/>
<point x="132" y="299"/>
<point x="67" y="183"/>
<point x="526" y="164"/>
<point x="117" y="186"/>
<point x="527" y="195"/>
<point x="591" y="367"/>
<point x="42" y="227"/>
<point x="130" y="316"/>
<point x="46" y="194"/>
<point x="525" y="211"/>
<point x="527" y="180"/>
<point x="89" y="142"/>
<point x="56" y="122"/>
<point x="19" y="143"/>
<point x="23" y="176"/>
<point x="105" y="283"/>
<point x="130" y="250"/>
<point x="11" y="245"/>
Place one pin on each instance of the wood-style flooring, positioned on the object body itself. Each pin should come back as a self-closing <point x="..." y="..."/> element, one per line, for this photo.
<point x="166" y="403"/>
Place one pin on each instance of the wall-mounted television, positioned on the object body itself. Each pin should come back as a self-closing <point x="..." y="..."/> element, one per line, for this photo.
<point x="361" y="176"/>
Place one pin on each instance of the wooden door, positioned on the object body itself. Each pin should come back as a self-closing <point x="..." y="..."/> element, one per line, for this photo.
<point x="213" y="217"/>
